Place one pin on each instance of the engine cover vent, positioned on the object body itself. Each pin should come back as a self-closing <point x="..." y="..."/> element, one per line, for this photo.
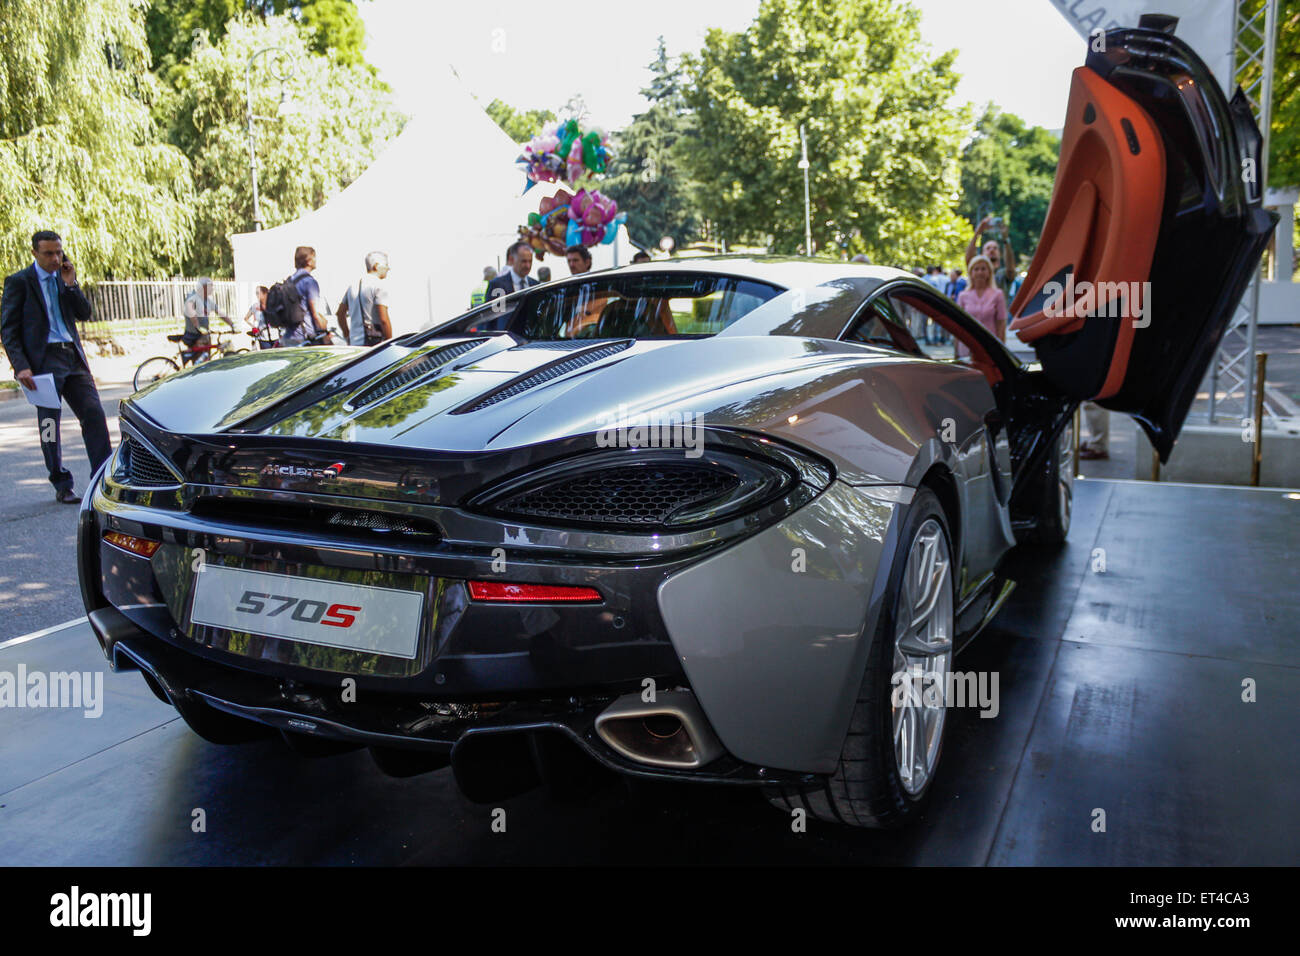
<point x="410" y="373"/>
<point x="543" y="375"/>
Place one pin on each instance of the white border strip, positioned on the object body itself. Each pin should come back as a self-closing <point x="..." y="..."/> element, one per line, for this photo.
<point x="35" y="634"/>
<point x="1186" y="484"/>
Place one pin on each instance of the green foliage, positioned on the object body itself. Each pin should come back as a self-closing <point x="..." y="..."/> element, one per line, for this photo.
<point x="882" y="140"/>
<point x="338" y="119"/>
<point x="1007" y="170"/>
<point x="648" y="176"/>
<point x="519" y="125"/>
<point x="175" y="26"/>
<point x="78" y="149"/>
<point x="1284" y="137"/>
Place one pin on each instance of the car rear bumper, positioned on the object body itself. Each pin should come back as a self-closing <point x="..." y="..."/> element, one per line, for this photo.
<point x="767" y="638"/>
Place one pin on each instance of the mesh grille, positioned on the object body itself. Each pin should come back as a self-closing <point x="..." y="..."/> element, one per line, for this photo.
<point x="412" y="372"/>
<point x="564" y="345"/>
<point x="143" y="467"/>
<point x="378" y="522"/>
<point x="544" y="374"/>
<point x="629" y="496"/>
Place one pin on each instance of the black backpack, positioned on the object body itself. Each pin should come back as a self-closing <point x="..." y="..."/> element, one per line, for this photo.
<point x="284" y="305"/>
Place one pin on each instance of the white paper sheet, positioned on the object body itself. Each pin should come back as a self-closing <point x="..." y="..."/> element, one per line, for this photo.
<point x="44" y="395"/>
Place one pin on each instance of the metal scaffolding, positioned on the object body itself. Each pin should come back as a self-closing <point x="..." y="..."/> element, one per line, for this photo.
<point x="1231" y="379"/>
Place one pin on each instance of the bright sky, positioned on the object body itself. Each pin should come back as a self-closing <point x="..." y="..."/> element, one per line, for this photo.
<point x="1017" y="53"/>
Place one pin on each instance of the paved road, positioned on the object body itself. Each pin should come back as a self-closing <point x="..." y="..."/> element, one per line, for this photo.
<point x="38" y="575"/>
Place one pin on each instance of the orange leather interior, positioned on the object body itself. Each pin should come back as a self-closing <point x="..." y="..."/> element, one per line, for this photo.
<point x="1103" y="220"/>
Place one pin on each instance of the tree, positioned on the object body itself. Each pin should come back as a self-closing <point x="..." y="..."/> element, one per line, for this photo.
<point x="338" y="118"/>
<point x="79" y="152"/>
<point x="1007" y="170"/>
<point x="883" y="140"/>
<point x="174" y="26"/>
<point x="519" y="125"/>
<point x="1284" y="135"/>
<point x="647" y="176"/>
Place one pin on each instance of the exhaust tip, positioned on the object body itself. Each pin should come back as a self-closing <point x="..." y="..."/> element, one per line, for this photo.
<point x="670" y="731"/>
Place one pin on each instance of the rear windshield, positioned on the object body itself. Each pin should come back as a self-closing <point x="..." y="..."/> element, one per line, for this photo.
<point x="629" y="306"/>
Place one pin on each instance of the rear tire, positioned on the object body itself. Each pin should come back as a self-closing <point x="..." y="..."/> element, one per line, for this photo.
<point x="1055" y="493"/>
<point x="869" y="788"/>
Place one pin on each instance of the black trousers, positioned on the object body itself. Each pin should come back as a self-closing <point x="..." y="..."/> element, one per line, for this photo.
<point x="76" y="386"/>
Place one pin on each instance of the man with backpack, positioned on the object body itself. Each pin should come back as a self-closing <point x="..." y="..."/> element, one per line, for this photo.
<point x="294" y="305"/>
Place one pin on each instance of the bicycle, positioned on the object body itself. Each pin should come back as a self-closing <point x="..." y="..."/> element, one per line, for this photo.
<point x="160" y="366"/>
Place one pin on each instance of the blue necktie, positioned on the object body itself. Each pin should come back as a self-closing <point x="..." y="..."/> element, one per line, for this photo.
<point x="58" y="331"/>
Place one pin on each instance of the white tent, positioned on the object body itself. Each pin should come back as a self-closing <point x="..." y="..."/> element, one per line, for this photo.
<point x="442" y="206"/>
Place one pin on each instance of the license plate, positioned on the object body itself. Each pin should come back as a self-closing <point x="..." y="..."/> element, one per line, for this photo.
<point x="353" y="617"/>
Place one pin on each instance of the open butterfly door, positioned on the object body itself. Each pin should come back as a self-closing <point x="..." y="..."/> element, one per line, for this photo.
<point x="1154" y="229"/>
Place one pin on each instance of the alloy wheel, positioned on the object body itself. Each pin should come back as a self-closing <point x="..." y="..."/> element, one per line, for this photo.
<point x="922" y="657"/>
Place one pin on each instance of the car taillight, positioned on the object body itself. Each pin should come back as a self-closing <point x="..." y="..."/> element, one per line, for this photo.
<point x="141" y="546"/>
<point x="501" y="592"/>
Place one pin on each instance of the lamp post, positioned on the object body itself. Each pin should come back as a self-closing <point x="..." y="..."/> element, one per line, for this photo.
<point x="807" y="207"/>
<point x="281" y="69"/>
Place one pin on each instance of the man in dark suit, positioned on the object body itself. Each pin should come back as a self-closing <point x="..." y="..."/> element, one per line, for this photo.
<point x="37" y="323"/>
<point x="519" y="258"/>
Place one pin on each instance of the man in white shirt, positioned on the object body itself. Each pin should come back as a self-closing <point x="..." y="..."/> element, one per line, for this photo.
<point x="363" y="313"/>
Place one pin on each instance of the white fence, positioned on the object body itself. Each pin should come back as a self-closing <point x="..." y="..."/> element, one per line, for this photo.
<point x="128" y="301"/>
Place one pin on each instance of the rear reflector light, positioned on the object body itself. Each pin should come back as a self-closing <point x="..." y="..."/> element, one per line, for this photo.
<point x="141" y="546"/>
<point x="531" y="593"/>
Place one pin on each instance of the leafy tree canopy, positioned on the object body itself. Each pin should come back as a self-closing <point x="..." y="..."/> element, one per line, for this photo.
<point x="648" y="176"/>
<point x="1284" y="135"/>
<point x="883" y="142"/>
<point x="519" y="125"/>
<point x="335" y="120"/>
<point x="79" y="152"/>
<point x="1007" y="170"/>
<point x="175" y="26"/>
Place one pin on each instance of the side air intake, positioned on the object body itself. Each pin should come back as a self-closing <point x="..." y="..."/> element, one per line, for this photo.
<point x="410" y="373"/>
<point x="138" y="467"/>
<point x="543" y="375"/>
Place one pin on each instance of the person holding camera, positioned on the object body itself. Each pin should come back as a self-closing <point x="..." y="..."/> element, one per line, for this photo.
<point x="1004" y="265"/>
<point x="363" y="313"/>
<point x="37" y="324"/>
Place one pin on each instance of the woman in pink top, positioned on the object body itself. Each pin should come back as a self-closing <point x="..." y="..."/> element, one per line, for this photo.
<point x="984" y="301"/>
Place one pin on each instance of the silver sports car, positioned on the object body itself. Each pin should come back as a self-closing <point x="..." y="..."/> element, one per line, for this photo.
<point x="696" y="520"/>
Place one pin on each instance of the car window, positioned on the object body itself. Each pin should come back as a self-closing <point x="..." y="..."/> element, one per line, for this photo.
<point x="638" y="306"/>
<point x="880" y="325"/>
<point x="952" y="339"/>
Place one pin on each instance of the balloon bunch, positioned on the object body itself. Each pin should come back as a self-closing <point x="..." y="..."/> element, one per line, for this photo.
<point x="562" y="152"/>
<point x="593" y="219"/>
<point x="548" y="228"/>
<point x="563" y="220"/>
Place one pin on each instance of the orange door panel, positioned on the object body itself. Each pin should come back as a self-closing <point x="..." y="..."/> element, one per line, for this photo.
<point x="1099" y="237"/>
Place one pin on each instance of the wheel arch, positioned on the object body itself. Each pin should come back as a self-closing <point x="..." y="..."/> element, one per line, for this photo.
<point x="940" y="480"/>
